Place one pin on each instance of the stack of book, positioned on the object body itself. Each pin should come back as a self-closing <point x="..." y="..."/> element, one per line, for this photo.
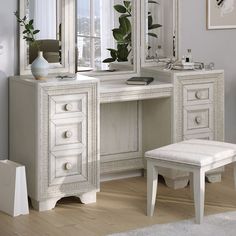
<point x="139" y="80"/>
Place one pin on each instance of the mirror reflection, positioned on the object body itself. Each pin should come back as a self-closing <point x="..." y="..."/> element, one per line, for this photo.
<point x="47" y="16"/>
<point x="159" y="29"/>
<point x="104" y="35"/>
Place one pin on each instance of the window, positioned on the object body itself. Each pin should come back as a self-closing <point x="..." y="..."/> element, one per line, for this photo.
<point x="99" y="28"/>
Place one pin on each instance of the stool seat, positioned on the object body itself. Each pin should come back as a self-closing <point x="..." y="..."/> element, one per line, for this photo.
<point x="194" y="152"/>
<point x="195" y="156"/>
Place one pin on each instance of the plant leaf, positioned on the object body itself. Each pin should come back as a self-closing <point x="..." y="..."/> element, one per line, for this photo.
<point x="36" y="31"/>
<point x="150" y="21"/>
<point x="152" y="35"/>
<point x="31" y="22"/>
<point x="108" y="60"/>
<point x="151" y="1"/>
<point x="118" y="34"/>
<point x="120" y="8"/>
<point x="127" y="4"/>
<point x="154" y="26"/>
<point x="125" y="25"/>
<point x="113" y="53"/>
<point x="123" y="52"/>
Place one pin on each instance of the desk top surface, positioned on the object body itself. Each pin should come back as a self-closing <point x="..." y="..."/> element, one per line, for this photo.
<point x="118" y="90"/>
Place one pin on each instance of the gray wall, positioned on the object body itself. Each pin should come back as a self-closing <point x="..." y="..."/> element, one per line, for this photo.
<point x="218" y="46"/>
<point x="7" y="66"/>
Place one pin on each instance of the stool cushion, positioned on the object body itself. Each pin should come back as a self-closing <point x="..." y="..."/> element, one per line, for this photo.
<point x="195" y="152"/>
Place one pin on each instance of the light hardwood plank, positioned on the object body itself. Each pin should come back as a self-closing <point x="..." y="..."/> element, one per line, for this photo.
<point x="121" y="206"/>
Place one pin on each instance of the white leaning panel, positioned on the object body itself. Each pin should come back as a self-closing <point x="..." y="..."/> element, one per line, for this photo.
<point x="13" y="194"/>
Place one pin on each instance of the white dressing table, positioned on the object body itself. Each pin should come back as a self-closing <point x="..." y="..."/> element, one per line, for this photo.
<point x="133" y="119"/>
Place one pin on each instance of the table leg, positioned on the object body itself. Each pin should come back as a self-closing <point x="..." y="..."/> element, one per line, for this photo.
<point x="199" y="194"/>
<point x="152" y="182"/>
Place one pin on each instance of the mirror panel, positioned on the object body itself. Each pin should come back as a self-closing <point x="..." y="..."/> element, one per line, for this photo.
<point x="50" y="17"/>
<point x="105" y="32"/>
<point x="160" y="30"/>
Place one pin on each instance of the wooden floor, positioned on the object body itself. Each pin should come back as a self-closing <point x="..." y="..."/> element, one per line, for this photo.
<point x="121" y="206"/>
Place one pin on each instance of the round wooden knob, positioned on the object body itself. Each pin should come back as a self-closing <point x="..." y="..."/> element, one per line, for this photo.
<point x="68" y="107"/>
<point x="68" y="166"/>
<point x="68" y="134"/>
<point x="198" y="95"/>
<point x="198" y="119"/>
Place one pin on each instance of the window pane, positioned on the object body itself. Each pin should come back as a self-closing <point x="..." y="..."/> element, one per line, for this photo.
<point x="83" y="17"/>
<point x="84" y="54"/>
<point x="98" y="63"/>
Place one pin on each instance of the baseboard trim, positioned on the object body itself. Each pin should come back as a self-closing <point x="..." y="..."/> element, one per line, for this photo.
<point x="121" y="175"/>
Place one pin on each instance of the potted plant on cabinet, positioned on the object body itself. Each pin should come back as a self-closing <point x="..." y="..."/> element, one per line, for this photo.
<point x="39" y="66"/>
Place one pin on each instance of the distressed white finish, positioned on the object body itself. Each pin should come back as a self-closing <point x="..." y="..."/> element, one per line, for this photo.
<point x="134" y="119"/>
<point x="197" y="112"/>
<point x="13" y="194"/>
<point x="195" y="156"/>
<point x="121" y="123"/>
<point x="54" y="132"/>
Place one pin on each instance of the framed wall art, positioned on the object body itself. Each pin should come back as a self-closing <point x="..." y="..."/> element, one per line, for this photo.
<point x="221" y="14"/>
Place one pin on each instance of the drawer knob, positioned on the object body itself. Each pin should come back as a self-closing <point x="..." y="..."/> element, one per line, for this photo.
<point x="198" y="95"/>
<point x="198" y="119"/>
<point x="68" y="166"/>
<point x="68" y="134"/>
<point x="68" y="107"/>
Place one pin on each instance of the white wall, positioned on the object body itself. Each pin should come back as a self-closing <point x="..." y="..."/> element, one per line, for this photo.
<point x="7" y="66"/>
<point x="217" y="46"/>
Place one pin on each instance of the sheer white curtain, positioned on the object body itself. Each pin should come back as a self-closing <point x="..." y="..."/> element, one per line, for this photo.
<point x="44" y="14"/>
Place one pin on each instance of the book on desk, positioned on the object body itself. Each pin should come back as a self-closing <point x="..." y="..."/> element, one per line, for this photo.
<point x="139" y="80"/>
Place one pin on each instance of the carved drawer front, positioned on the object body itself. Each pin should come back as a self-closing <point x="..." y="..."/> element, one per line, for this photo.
<point x="198" y="94"/>
<point x="68" y="166"/>
<point x="63" y="106"/>
<point x="207" y="136"/>
<point x="198" y="119"/>
<point x="68" y="133"/>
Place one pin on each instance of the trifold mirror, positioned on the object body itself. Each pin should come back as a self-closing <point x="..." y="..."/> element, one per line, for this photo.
<point x="52" y="18"/>
<point x="159" y="26"/>
<point x="100" y="35"/>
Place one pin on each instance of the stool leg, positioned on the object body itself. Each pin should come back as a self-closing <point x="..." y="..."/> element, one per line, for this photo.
<point x="199" y="194"/>
<point x="235" y="175"/>
<point x="152" y="181"/>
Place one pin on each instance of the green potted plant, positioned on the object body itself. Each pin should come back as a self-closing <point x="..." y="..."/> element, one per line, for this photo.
<point x="123" y="34"/>
<point x="39" y="66"/>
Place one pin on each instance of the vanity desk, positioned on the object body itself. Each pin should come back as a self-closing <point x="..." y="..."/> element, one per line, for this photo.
<point x="68" y="134"/>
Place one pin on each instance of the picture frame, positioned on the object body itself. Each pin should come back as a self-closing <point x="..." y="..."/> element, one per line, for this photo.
<point x="221" y="14"/>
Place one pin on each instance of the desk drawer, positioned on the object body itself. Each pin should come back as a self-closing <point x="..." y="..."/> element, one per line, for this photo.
<point x="63" y="106"/>
<point x="198" y="119"/>
<point x="68" y="166"/>
<point x="67" y="133"/>
<point x="195" y="94"/>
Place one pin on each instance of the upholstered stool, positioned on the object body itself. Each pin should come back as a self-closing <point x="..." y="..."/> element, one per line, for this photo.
<point x="194" y="156"/>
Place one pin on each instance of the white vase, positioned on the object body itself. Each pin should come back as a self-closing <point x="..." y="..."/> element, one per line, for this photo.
<point x="39" y="67"/>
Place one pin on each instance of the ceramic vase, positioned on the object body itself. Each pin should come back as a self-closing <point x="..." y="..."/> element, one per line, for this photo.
<point x="39" y="67"/>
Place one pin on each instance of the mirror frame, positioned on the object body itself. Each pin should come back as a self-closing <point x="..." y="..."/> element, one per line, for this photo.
<point x="68" y="42"/>
<point x="151" y="62"/>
